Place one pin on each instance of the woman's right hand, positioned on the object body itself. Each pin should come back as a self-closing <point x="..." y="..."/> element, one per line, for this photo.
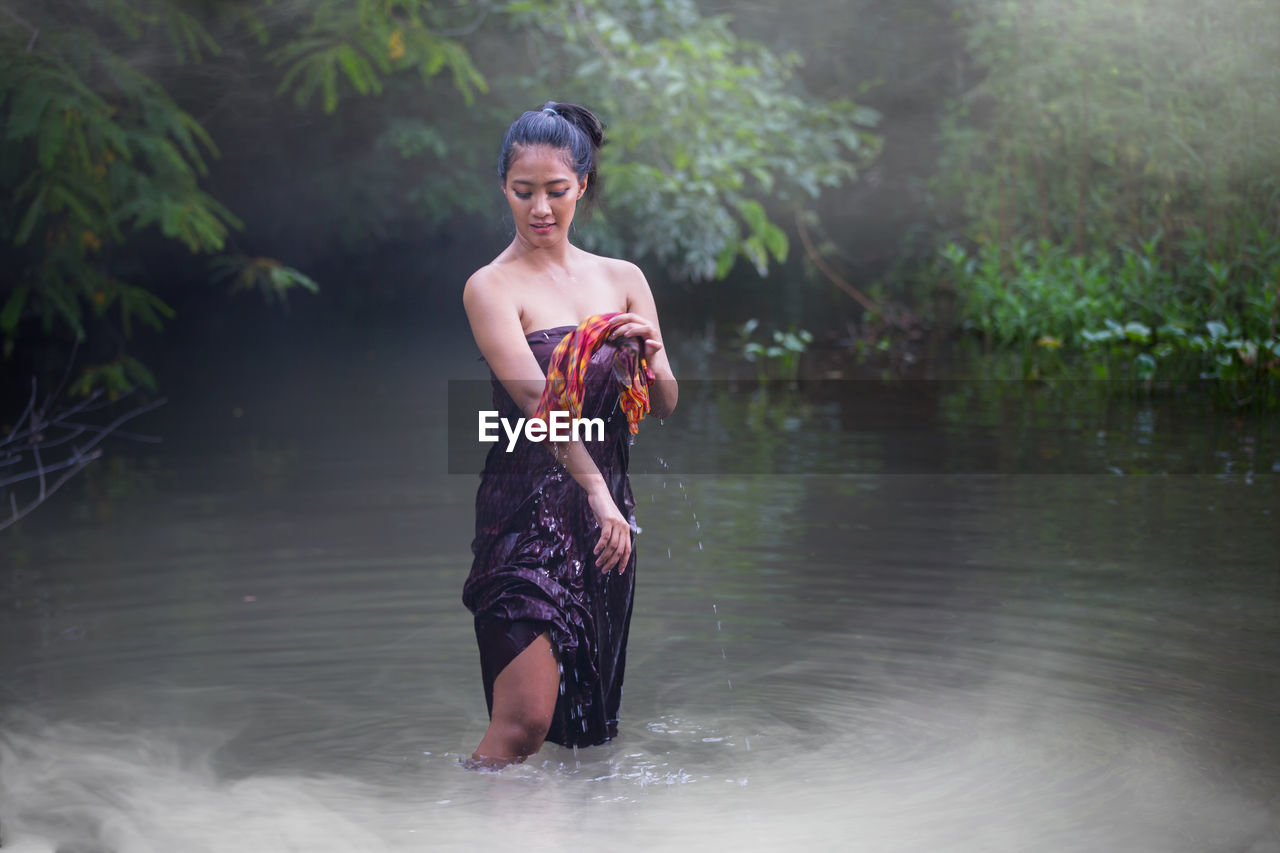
<point x="614" y="546"/>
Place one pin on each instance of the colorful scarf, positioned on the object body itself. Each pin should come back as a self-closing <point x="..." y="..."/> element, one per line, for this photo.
<point x="567" y="372"/>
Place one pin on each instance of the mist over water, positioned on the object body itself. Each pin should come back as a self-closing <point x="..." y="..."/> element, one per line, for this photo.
<point x="251" y="638"/>
<point x="260" y="646"/>
<point x="966" y="779"/>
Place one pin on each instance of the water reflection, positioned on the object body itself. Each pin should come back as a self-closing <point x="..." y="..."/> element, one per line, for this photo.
<point x="954" y="427"/>
<point x="264" y="647"/>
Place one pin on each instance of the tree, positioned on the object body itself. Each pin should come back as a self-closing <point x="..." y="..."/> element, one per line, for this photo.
<point x="1115" y="166"/>
<point x="1097" y="123"/>
<point x="102" y="147"/>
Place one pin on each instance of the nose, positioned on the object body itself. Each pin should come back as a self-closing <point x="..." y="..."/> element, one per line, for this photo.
<point x="541" y="204"/>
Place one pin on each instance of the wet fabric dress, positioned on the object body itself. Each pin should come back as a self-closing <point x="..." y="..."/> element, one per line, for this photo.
<point x="534" y="570"/>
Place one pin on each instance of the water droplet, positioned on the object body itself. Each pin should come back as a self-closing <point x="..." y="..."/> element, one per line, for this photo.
<point x="717" y="624"/>
<point x="699" y="544"/>
<point x="730" y="683"/>
<point x="714" y="608"/>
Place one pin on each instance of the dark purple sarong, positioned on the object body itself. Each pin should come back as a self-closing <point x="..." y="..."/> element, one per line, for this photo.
<point x="534" y="569"/>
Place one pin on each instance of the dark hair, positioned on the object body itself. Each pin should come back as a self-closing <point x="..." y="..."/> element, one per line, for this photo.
<point x="564" y="127"/>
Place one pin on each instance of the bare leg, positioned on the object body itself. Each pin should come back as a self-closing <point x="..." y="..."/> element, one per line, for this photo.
<point x="524" y="700"/>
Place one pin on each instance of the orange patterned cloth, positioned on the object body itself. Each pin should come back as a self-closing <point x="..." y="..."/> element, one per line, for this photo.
<point x="567" y="370"/>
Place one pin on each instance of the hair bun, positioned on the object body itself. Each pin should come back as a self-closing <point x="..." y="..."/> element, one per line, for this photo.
<point x="581" y="135"/>
<point x="581" y="118"/>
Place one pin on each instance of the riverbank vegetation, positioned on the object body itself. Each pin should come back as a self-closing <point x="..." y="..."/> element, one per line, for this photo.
<point x="350" y="126"/>
<point x="1115" y="187"/>
<point x="1079" y="189"/>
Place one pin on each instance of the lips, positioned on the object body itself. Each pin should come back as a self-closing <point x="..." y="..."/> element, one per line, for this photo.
<point x="543" y="228"/>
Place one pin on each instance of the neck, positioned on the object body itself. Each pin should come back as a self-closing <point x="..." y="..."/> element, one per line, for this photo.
<point x="542" y="257"/>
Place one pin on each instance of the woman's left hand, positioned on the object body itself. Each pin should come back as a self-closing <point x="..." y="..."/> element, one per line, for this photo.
<point x="629" y="325"/>
<point x="613" y="548"/>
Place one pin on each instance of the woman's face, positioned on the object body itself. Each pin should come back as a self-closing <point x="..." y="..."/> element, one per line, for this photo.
<point x="543" y="192"/>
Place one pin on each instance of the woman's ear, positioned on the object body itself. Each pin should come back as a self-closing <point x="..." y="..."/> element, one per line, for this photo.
<point x="582" y="187"/>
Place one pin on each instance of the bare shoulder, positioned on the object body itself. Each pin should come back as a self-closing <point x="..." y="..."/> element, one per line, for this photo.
<point x="623" y="276"/>
<point x="485" y="287"/>
<point x="488" y="277"/>
<point x="629" y="282"/>
<point x="621" y="270"/>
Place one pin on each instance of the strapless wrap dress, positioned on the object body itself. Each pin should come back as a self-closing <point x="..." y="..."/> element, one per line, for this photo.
<point x="534" y="571"/>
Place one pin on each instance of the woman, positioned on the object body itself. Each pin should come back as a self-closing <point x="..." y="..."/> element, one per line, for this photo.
<point x="552" y="582"/>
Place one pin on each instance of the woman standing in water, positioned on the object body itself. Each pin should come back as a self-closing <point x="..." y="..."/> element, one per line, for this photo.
<point x="552" y="583"/>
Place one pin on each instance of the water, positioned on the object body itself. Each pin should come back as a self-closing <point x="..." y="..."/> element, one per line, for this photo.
<point x="252" y="639"/>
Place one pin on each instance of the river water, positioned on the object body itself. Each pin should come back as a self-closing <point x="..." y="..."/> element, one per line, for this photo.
<point x="880" y="617"/>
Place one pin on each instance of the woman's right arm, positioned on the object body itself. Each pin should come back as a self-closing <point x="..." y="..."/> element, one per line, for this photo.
<point x="495" y="324"/>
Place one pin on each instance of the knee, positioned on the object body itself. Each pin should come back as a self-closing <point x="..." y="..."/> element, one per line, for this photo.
<point x="528" y="729"/>
<point x="520" y="731"/>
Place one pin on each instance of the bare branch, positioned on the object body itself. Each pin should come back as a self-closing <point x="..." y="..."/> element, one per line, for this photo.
<point x="74" y="459"/>
<point x="66" y="377"/>
<point x="36" y="421"/>
<point x="19" y="514"/>
<point x="40" y="429"/>
<point x="35" y="31"/>
<point x="47" y="443"/>
<point x="132" y="436"/>
<point x="469" y="28"/>
<point x="35" y="453"/>
<point x="826" y="269"/>
<point x="26" y="413"/>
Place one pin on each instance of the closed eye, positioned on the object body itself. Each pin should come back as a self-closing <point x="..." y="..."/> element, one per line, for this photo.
<point x="559" y="194"/>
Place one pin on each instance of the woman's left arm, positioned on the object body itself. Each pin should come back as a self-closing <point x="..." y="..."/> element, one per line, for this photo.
<point x="641" y="318"/>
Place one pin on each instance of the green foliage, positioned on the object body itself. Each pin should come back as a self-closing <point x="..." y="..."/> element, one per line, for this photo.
<point x="1094" y="126"/>
<point x="1127" y="314"/>
<point x="1095" y="123"/>
<point x="1031" y="292"/>
<point x="116" y="378"/>
<point x="268" y="276"/>
<point x="362" y="42"/>
<point x="779" y="356"/>
<point x="95" y="151"/>
<point x="705" y="128"/>
<point x="711" y="136"/>
<point x="1250" y="368"/>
